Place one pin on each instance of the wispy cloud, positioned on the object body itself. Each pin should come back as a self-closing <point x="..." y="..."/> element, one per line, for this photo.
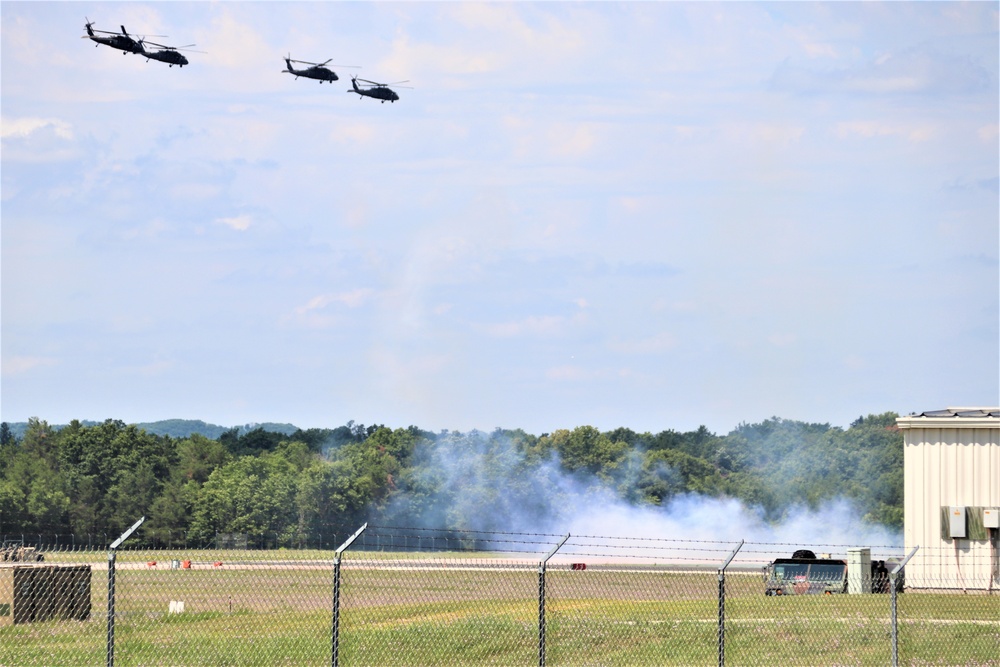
<point x="912" y="71"/>
<point x="25" y="127"/>
<point x="869" y="129"/>
<point x="352" y="299"/>
<point x="655" y="344"/>
<point x="544" y="325"/>
<point x="239" y="223"/>
<point x="20" y="365"/>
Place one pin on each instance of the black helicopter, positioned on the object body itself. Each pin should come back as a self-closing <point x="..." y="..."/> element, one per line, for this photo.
<point x="379" y="91"/>
<point x="124" y="42"/>
<point x="166" y="54"/>
<point x="316" y="71"/>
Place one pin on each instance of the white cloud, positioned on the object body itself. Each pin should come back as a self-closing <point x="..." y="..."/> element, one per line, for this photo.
<point x="475" y="42"/>
<point x="655" y="344"/>
<point x="240" y="223"/>
<point x="572" y="140"/>
<point x="509" y="23"/>
<point x="914" y="70"/>
<point x="818" y="49"/>
<point x="198" y="191"/>
<point x="406" y="58"/>
<point x="568" y="373"/>
<point x="358" y="133"/>
<point x="776" y="134"/>
<point x="33" y="140"/>
<point x="783" y="339"/>
<point x="989" y="133"/>
<point x="25" y="127"/>
<point x="236" y="44"/>
<point x="21" y="365"/>
<point x="352" y="299"/>
<point x="548" y="325"/>
<point x="869" y="129"/>
<point x="855" y="362"/>
<point x="554" y="139"/>
<point x="152" y="369"/>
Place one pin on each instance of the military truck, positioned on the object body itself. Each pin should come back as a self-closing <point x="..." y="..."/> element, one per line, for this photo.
<point x="805" y="574"/>
<point x="16" y="552"/>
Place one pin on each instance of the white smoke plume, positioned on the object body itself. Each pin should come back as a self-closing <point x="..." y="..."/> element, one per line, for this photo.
<point x="488" y="484"/>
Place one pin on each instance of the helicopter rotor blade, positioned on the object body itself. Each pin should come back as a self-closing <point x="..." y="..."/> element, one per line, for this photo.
<point x="125" y="33"/>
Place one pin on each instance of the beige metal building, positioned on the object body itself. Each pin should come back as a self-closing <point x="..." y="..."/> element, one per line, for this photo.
<point x="951" y="506"/>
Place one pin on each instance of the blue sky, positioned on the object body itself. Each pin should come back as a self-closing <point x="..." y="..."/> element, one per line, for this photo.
<point x="652" y="215"/>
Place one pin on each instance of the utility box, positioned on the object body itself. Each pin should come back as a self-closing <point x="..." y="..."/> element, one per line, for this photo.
<point x="991" y="517"/>
<point x="859" y="570"/>
<point x="956" y="522"/>
<point x="30" y="593"/>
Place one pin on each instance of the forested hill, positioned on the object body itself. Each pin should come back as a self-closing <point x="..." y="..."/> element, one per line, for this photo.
<point x="176" y="428"/>
<point x="288" y="488"/>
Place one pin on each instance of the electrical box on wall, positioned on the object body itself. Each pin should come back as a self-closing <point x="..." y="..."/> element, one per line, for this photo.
<point x="956" y="522"/>
<point x="991" y="517"/>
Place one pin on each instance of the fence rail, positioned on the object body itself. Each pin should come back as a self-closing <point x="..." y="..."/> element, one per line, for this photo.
<point x="399" y="596"/>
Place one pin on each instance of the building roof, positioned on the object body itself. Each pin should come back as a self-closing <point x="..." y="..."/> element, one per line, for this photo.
<point x="988" y="417"/>
<point x="961" y="413"/>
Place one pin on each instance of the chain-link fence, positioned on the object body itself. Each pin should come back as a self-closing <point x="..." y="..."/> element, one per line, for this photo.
<point x="392" y="596"/>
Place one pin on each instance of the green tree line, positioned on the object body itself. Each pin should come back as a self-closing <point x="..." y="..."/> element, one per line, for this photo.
<point x="286" y="489"/>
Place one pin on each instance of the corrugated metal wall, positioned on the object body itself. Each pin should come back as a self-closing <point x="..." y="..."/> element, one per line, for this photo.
<point x="944" y="467"/>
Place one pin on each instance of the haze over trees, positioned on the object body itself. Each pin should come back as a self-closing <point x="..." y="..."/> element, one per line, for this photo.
<point x="310" y="486"/>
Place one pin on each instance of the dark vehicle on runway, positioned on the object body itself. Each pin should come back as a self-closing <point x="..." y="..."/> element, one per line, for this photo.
<point x="805" y="574"/>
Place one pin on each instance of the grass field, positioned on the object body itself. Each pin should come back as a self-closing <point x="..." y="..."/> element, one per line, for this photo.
<point x="275" y="608"/>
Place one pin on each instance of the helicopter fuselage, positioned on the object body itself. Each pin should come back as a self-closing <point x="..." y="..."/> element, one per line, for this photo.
<point x="121" y="42"/>
<point x="169" y="56"/>
<point x="317" y="72"/>
<point x="379" y="92"/>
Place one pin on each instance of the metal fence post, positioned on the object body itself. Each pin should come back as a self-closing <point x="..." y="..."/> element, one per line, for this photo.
<point x="111" y="609"/>
<point x="541" y="600"/>
<point x="722" y="604"/>
<point x="892" y="605"/>
<point x="335" y="656"/>
<point x="112" y="556"/>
